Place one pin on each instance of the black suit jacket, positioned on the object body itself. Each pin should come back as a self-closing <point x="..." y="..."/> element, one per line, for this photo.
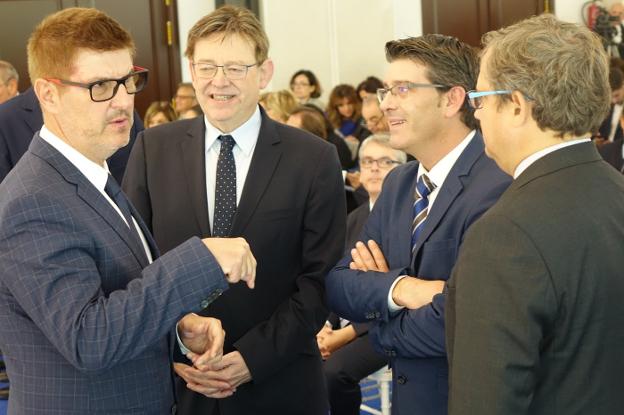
<point x="534" y="316"/>
<point x="292" y="214"/>
<point x="20" y="118"/>
<point x="605" y="127"/>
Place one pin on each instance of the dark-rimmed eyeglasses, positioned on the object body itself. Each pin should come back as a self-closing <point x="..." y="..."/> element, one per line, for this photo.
<point x="475" y="98"/>
<point x="383" y="163"/>
<point x="232" y="72"/>
<point x="105" y="89"/>
<point x="402" y="89"/>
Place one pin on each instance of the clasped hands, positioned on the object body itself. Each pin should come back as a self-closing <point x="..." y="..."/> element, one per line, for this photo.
<point x="409" y="292"/>
<point x="214" y="374"/>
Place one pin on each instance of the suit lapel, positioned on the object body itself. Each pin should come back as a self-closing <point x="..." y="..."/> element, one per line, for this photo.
<point x="90" y="195"/>
<point x="264" y="161"/>
<point x="194" y="156"/>
<point x="451" y="187"/>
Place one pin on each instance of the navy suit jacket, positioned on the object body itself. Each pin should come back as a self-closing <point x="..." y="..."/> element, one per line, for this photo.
<point x="84" y="320"/>
<point x="414" y="339"/>
<point x="20" y="118"/>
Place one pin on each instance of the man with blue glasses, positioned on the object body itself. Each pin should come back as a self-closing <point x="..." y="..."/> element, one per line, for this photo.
<point x="534" y="317"/>
<point x="394" y="277"/>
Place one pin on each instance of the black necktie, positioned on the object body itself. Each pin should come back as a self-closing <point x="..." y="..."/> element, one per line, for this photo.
<point x="113" y="190"/>
<point x="225" y="189"/>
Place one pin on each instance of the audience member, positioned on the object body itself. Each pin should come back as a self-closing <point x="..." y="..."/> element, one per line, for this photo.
<point x="369" y="87"/>
<point x="534" y="315"/>
<point x="9" y="80"/>
<point x="278" y="105"/>
<point x="373" y="116"/>
<point x="310" y="118"/>
<point x="194" y="112"/>
<point x="394" y="276"/>
<point x="347" y="349"/>
<point x="159" y="112"/>
<point x="344" y="113"/>
<point x="306" y="88"/>
<point x="278" y="187"/>
<point x="184" y="98"/>
<point x="88" y="304"/>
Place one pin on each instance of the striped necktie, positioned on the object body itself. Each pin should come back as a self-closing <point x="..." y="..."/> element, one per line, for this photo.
<point x="421" y="206"/>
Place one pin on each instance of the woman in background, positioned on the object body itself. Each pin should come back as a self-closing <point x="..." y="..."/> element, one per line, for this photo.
<point x="278" y="105"/>
<point x="306" y="88"/>
<point x="159" y="112"/>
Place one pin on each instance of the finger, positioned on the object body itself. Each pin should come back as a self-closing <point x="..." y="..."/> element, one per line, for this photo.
<point x="366" y="256"/>
<point x="209" y="379"/>
<point x="357" y="260"/>
<point x="378" y="256"/>
<point x="210" y="392"/>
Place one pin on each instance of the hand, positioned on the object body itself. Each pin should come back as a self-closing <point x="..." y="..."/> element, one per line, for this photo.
<point x="413" y="293"/>
<point x="352" y="139"/>
<point x="203" y="336"/>
<point x="354" y="179"/>
<point x="235" y="259"/>
<point x="217" y="380"/>
<point x="332" y="340"/>
<point x="368" y="258"/>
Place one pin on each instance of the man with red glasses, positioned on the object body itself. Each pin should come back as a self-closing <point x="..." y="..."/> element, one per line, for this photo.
<point x="394" y="277"/>
<point x="87" y="306"/>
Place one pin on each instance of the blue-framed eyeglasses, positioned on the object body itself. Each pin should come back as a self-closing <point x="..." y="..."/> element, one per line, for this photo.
<point x="402" y="89"/>
<point x="475" y="98"/>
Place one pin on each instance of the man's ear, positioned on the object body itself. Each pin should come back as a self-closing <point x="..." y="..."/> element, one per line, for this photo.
<point x="455" y="100"/>
<point x="521" y="109"/>
<point x="265" y="73"/>
<point x="48" y="95"/>
<point x="12" y="86"/>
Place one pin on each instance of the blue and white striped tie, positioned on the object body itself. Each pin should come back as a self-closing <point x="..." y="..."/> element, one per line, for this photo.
<point x="421" y="206"/>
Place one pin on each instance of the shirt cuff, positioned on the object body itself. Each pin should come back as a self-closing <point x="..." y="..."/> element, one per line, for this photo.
<point x="183" y="348"/>
<point x="392" y="306"/>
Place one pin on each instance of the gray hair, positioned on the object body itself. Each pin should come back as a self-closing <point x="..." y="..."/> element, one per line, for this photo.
<point x="7" y="72"/>
<point x="383" y="139"/>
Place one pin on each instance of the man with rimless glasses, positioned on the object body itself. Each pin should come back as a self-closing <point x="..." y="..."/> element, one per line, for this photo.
<point x="87" y="305"/>
<point x="394" y="276"/>
<point x="235" y="172"/>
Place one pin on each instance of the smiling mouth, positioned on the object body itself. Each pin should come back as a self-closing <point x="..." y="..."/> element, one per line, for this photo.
<point x="220" y="97"/>
<point x="394" y="123"/>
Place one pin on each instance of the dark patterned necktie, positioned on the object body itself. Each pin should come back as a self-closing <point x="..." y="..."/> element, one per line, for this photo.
<point x="113" y="191"/>
<point x="421" y="206"/>
<point x="225" y="189"/>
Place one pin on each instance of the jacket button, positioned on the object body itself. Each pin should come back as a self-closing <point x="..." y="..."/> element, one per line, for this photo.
<point x="401" y="380"/>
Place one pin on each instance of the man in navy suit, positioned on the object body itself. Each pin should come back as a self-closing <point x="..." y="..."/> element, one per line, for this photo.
<point x="20" y="118"/>
<point x="394" y="277"/>
<point x="86" y="305"/>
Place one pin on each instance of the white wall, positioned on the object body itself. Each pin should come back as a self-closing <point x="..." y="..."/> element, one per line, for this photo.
<point x="569" y="10"/>
<point x="341" y="41"/>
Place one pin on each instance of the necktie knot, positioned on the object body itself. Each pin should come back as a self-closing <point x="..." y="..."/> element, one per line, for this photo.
<point x="227" y="142"/>
<point x="424" y="186"/>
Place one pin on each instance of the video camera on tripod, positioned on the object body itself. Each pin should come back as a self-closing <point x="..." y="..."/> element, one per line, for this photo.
<point x="601" y="21"/>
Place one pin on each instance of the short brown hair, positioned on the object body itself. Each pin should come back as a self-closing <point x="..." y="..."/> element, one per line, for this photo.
<point x="448" y="61"/>
<point x="311" y="121"/>
<point x="230" y="20"/>
<point x="561" y="66"/>
<point x="56" y="40"/>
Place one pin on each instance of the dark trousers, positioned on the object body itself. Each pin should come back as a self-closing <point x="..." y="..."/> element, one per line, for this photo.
<point x="344" y="370"/>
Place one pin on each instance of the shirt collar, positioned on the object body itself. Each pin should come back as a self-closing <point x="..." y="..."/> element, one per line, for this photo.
<point x="524" y="164"/>
<point x="441" y="169"/>
<point x="96" y="174"/>
<point x="245" y="136"/>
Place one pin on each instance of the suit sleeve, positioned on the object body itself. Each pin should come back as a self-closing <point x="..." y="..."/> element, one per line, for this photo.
<point x="55" y="277"/>
<point x="5" y="159"/>
<point x="135" y="181"/>
<point x="501" y="301"/>
<point x="273" y="344"/>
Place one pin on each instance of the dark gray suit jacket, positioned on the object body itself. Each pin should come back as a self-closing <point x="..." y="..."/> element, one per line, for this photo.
<point x="535" y="316"/>
<point x="292" y="213"/>
<point x="84" y="319"/>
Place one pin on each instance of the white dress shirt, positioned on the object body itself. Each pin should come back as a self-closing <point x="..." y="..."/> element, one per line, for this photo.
<point x="524" y="164"/>
<point x="437" y="176"/>
<point x="96" y="174"/>
<point x="246" y="137"/>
